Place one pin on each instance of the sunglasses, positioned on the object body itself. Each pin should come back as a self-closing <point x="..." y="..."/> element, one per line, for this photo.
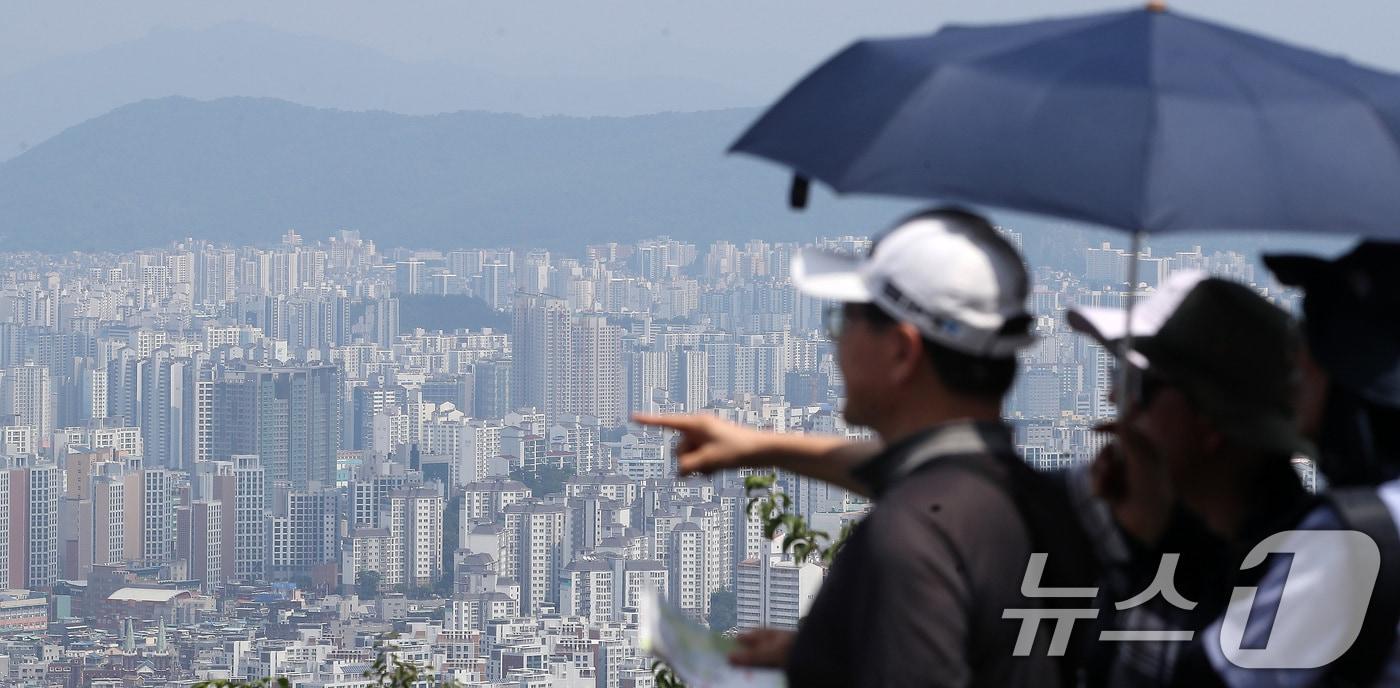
<point x="833" y="320"/>
<point x="1143" y="386"/>
<point x="837" y="316"/>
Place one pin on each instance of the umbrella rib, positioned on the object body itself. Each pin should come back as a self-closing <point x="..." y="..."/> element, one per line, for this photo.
<point x="858" y="160"/>
<point x="865" y="150"/>
<point x="1293" y="66"/>
<point x="1258" y="107"/>
<point x="1149" y="143"/>
<point x="1108" y="20"/>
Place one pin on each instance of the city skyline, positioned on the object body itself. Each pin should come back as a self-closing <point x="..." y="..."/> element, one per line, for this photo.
<point x="259" y="429"/>
<point x="338" y="336"/>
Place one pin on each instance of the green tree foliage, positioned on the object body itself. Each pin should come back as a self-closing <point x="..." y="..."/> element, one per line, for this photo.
<point x="397" y="673"/>
<point x="774" y="510"/>
<point x="543" y="480"/>
<point x="664" y="677"/>
<point x="385" y="672"/>
<point x="451" y="534"/>
<point x="367" y="584"/>
<point x="279" y="682"/>
<point x="724" y="610"/>
<point x="303" y="582"/>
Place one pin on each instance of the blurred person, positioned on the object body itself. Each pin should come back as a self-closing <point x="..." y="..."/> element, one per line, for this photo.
<point x="1200" y="468"/>
<point x="1350" y="406"/>
<point x="926" y="330"/>
<point x="1351" y="322"/>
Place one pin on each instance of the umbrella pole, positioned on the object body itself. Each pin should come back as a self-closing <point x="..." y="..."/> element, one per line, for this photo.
<point x="1126" y="375"/>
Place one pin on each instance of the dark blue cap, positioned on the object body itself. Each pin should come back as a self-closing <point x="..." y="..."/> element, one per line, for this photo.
<point x="1351" y="315"/>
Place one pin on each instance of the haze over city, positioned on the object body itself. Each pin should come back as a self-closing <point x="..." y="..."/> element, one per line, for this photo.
<point x="323" y="326"/>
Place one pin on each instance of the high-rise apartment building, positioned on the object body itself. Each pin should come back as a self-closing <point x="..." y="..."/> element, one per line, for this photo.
<point x="27" y="399"/>
<point x="158" y="501"/>
<point x="597" y="371"/>
<point x="415" y="517"/>
<point x="34" y="497"/>
<point x="287" y="415"/>
<point x="366" y="402"/>
<point x="688" y="565"/>
<point x="302" y="531"/>
<point x="176" y="409"/>
<point x="774" y="590"/>
<point x="199" y="540"/>
<point x="542" y="354"/>
<point x="535" y="535"/>
<point x="249" y="519"/>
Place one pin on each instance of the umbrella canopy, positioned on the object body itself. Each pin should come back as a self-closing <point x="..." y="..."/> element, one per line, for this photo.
<point x="1143" y="120"/>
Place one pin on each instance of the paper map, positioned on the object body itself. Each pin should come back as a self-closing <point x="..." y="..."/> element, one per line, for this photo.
<point x="699" y="657"/>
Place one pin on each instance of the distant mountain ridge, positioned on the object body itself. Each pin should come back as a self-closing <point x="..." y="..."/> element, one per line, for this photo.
<point x="251" y="60"/>
<point x="244" y="170"/>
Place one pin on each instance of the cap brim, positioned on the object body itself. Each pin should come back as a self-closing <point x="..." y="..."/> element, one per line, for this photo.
<point x="1108" y="326"/>
<point x="1297" y="270"/>
<point x="827" y="275"/>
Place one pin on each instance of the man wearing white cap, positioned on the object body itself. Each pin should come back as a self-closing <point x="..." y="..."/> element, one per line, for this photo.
<point x="926" y="328"/>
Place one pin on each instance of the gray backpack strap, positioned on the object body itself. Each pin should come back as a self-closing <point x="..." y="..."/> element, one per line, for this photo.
<point x="1362" y="510"/>
<point x="1043" y="505"/>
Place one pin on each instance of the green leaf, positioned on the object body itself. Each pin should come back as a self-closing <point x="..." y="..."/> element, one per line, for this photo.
<point x="759" y="482"/>
<point x="770" y="528"/>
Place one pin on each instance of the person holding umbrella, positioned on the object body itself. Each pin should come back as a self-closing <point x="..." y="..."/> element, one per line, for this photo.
<point x="1200" y="469"/>
<point x="1350" y="406"/>
<point x="926" y="327"/>
<point x="1148" y="121"/>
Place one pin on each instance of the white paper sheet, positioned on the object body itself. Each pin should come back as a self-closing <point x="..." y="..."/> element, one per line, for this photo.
<point x="699" y="657"/>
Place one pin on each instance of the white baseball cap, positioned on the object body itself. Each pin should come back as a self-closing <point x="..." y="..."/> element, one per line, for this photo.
<point x="1109" y="325"/>
<point x="947" y="272"/>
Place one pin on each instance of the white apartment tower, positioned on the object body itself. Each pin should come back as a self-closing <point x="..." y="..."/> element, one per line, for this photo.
<point x="157" y="516"/>
<point x="775" y="591"/>
<point x="416" y="521"/>
<point x="687" y="563"/>
<point x="543" y="354"/>
<point x="250" y="516"/>
<point x="45" y="485"/>
<point x="597" y="370"/>
<point x="536" y="536"/>
<point x="26" y="399"/>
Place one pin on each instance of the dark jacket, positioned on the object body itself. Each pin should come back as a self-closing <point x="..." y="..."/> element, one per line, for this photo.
<point x="916" y="595"/>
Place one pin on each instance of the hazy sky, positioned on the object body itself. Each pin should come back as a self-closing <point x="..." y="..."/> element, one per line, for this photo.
<point x="751" y="49"/>
<point x="756" y="46"/>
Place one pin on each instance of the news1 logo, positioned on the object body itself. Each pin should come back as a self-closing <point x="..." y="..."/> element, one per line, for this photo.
<point x="1301" y="616"/>
<point x="1319" y="601"/>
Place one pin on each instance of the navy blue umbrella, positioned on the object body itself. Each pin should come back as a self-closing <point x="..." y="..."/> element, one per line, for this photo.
<point x="1143" y="120"/>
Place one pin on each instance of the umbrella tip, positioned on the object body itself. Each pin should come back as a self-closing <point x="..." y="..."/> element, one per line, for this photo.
<point x="1156" y="6"/>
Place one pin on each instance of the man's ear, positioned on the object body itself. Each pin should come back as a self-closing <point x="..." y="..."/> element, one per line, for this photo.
<point x="907" y="352"/>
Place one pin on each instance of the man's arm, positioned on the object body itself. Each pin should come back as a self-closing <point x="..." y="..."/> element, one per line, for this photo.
<point x="828" y="459"/>
<point x="709" y="444"/>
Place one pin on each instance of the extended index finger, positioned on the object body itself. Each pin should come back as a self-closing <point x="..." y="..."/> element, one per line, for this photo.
<point x="684" y="423"/>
